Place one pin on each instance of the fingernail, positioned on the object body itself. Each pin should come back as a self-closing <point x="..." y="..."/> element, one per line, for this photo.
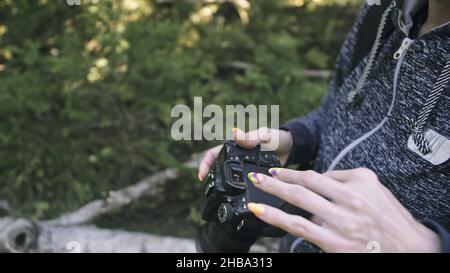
<point x="236" y="132"/>
<point x="275" y="171"/>
<point x="254" y="177"/>
<point x="257" y="209"/>
<point x="200" y="177"/>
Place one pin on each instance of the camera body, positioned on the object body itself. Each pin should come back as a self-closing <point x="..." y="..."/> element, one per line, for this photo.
<point x="230" y="226"/>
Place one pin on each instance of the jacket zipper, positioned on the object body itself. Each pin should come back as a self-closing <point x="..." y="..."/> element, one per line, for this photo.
<point x="399" y="56"/>
<point x="403" y="48"/>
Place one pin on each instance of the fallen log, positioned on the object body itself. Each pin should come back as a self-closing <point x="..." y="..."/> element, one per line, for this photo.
<point x="307" y="73"/>
<point x="119" y="198"/>
<point x="21" y="235"/>
<point x="17" y="235"/>
<point x="4" y="207"/>
<point x="68" y="233"/>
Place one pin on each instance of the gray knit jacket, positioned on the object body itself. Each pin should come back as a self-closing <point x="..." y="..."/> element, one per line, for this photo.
<point x="398" y="97"/>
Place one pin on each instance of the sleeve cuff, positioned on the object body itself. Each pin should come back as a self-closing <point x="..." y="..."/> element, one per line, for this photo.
<point x="442" y="233"/>
<point x="303" y="143"/>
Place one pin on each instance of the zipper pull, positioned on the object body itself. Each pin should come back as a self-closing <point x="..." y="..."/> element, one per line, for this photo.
<point x="405" y="45"/>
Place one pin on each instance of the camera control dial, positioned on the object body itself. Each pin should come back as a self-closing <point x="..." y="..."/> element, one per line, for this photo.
<point x="225" y="213"/>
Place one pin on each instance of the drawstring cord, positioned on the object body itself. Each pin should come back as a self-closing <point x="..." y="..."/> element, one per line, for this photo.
<point x="417" y="126"/>
<point x="354" y="97"/>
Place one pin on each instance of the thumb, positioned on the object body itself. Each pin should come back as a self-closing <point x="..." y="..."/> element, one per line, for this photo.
<point x="251" y="139"/>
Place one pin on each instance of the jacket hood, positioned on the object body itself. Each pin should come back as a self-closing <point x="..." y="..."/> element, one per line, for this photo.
<point x="408" y="9"/>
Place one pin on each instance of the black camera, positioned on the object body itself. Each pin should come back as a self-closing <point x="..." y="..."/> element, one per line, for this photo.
<point x="230" y="226"/>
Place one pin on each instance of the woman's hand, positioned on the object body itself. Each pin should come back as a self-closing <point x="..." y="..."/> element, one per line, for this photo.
<point x="271" y="139"/>
<point x="353" y="212"/>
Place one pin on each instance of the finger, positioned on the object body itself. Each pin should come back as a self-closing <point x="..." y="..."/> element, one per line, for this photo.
<point x="296" y="195"/>
<point x="268" y="138"/>
<point x="207" y="161"/>
<point x="356" y="175"/>
<point x="293" y="224"/>
<point x="246" y="140"/>
<point x="341" y="175"/>
<point x="316" y="220"/>
<point x="318" y="183"/>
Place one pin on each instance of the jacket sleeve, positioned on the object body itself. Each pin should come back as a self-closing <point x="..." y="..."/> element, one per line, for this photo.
<point x="442" y="233"/>
<point x="306" y="131"/>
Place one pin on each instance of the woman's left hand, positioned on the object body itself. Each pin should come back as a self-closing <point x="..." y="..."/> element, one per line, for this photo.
<point x="353" y="212"/>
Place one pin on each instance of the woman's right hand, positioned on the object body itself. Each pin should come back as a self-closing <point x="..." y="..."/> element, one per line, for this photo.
<point x="275" y="140"/>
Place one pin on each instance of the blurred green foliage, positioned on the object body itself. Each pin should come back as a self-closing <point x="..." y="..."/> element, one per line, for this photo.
<point x="86" y="91"/>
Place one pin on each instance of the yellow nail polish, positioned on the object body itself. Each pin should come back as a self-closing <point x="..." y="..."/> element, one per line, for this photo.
<point x="257" y="209"/>
<point x="254" y="177"/>
<point x="275" y="171"/>
<point x="200" y="177"/>
<point x="235" y="130"/>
